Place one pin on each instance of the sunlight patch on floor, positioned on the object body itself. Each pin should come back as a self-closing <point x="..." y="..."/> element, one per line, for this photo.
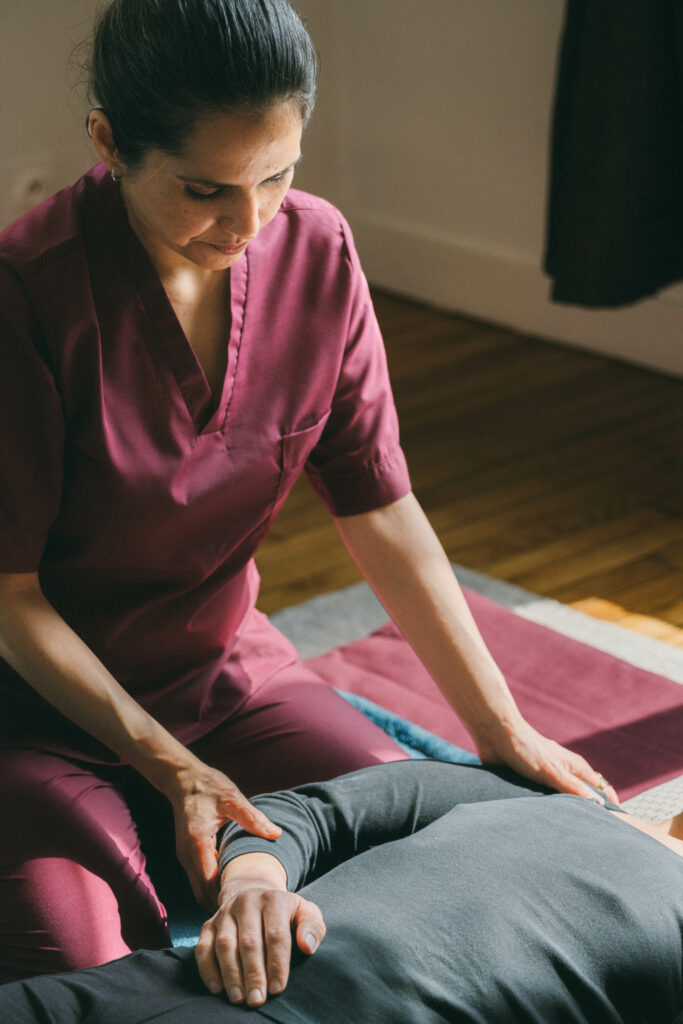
<point x="647" y="625"/>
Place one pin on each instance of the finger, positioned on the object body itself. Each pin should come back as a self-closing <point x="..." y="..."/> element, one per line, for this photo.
<point x="251" y="819"/>
<point x="251" y="950"/>
<point x="204" y="953"/>
<point x="566" y="782"/>
<point x="310" y="927"/>
<point x="612" y="795"/>
<point x="601" y="783"/>
<point x="583" y="770"/>
<point x="226" y="953"/>
<point x="277" y="933"/>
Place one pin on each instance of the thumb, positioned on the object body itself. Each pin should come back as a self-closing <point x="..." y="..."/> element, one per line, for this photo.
<point x="207" y="860"/>
<point x="310" y="926"/>
<point x="202" y="870"/>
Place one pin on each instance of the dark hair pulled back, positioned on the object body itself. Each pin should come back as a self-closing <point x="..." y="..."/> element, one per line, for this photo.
<point x="157" y="65"/>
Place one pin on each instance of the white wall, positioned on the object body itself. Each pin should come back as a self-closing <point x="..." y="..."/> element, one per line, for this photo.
<point x="431" y="135"/>
<point x="44" y="145"/>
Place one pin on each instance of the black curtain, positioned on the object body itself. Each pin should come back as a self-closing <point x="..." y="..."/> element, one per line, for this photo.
<point x="615" y="215"/>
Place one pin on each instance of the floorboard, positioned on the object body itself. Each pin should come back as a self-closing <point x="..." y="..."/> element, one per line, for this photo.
<point x="544" y="465"/>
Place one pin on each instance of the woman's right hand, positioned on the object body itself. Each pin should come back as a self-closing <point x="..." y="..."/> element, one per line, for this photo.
<point x="203" y="800"/>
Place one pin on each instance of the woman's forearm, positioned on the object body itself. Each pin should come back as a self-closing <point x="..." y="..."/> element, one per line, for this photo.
<point x="402" y="559"/>
<point x="39" y="645"/>
<point x="400" y="556"/>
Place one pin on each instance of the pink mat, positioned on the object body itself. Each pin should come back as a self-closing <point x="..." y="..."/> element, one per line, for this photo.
<point x="627" y="722"/>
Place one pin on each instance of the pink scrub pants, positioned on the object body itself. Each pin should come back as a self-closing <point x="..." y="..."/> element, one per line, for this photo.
<point x="74" y="889"/>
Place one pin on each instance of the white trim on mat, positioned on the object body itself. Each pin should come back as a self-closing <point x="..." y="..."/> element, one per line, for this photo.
<point x="327" y="621"/>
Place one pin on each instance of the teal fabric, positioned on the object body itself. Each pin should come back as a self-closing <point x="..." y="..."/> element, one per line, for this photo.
<point x="416" y="741"/>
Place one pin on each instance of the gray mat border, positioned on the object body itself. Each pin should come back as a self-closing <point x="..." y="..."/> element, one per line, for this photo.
<point x="324" y="622"/>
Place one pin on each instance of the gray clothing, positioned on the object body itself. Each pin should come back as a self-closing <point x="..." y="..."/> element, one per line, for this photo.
<point x="507" y="907"/>
<point x="451" y="894"/>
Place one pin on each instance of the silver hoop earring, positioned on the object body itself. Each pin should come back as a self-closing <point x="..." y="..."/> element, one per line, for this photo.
<point x="115" y="176"/>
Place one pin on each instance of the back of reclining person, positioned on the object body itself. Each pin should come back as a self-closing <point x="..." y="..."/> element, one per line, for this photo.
<point x="449" y="893"/>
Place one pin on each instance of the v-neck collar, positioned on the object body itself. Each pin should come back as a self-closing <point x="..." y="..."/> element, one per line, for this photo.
<point x="166" y="332"/>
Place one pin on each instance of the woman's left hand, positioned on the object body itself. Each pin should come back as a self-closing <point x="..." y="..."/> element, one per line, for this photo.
<point x="540" y="759"/>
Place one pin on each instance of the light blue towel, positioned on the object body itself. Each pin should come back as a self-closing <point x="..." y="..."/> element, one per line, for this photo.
<point x="416" y="741"/>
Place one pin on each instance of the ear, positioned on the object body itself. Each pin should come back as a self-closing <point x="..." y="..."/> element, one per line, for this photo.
<point x="102" y="136"/>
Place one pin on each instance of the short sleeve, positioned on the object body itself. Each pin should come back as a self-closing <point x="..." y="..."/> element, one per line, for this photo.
<point x="358" y="464"/>
<point x="31" y="431"/>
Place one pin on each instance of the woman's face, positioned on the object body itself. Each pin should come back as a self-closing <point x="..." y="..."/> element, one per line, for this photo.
<point x="205" y="206"/>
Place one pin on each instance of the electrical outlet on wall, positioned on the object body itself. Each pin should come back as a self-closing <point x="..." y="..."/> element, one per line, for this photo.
<point x="28" y="179"/>
<point x="29" y="186"/>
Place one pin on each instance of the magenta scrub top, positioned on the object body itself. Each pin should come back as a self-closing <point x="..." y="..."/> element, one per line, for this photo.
<point x="138" y="505"/>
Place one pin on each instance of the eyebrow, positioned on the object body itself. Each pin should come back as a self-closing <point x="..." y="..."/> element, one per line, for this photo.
<point x="218" y="184"/>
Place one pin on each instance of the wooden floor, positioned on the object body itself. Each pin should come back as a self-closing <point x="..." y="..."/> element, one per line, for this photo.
<point x="551" y="468"/>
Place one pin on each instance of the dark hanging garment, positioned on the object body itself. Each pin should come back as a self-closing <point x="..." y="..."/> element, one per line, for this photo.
<point x="615" y="218"/>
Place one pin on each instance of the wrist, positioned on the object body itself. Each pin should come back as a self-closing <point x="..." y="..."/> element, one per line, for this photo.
<point x="498" y="734"/>
<point x="251" y="871"/>
<point x="170" y="767"/>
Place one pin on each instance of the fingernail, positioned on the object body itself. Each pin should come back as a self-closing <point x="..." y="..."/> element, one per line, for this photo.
<point x="275" y="987"/>
<point x="255" y="996"/>
<point x="235" y="994"/>
<point x="311" y="942"/>
<point x="215" y="987"/>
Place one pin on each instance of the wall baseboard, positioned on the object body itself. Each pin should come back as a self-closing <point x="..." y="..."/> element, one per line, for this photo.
<point x="508" y="288"/>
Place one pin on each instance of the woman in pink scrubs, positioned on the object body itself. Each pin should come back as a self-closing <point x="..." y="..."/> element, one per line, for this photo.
<point x="181" y="336"/>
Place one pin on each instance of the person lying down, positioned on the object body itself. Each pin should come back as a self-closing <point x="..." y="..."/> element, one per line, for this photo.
<point x="448" y="893"/>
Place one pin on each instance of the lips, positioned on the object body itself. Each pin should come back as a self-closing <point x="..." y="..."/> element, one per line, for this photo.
<point x="228" y="250"/>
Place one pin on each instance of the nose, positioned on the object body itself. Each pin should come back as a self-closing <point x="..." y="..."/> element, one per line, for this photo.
<point x="241" y="216"/>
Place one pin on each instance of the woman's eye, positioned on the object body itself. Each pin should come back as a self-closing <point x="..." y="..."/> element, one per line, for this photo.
<point x="194" y="194"/>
